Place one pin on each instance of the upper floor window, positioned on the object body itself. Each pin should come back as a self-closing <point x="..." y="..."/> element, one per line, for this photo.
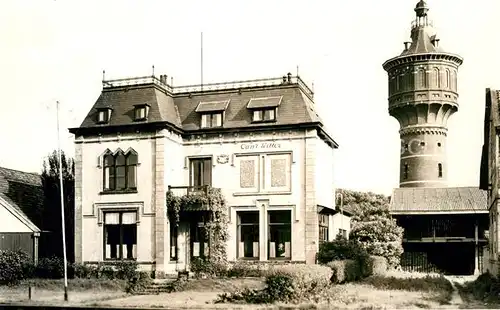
<point x="141" y="112"/>
<point x="265" y="172"/>
<point x="264" y="109"/>
<point x="200" y="172"/>
<point x="405" y="172"/>
<point x="103" y="115"/>
<point x="211" y="120"/>
<point x="440" y="170"/>
<point x="120" y="171"/>
<point x="212" y="113"/>
<point x="264" y="115"/>
<point x="323" y="227"/>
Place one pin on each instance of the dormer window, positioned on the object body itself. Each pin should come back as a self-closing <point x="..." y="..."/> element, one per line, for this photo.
<point x="264" y="109"/>
<point x="141" y="112"/>
<point x="103" y="115"/>
<point x="264" y="115"/>
<point x="212" y="113"/>
<point x="211" y="120"/>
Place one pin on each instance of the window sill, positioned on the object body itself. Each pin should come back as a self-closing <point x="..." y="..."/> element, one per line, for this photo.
<point x="262" y="193"/>
<point x="126" y="191"/>
<point x="252" y="259"/>
<point x="264" y="122"/>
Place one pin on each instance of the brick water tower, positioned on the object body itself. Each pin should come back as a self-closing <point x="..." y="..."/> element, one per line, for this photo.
<point x="422" y="96"/>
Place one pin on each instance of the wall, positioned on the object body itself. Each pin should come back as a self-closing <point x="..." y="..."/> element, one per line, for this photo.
<point x="325" y="190"/>
<point x="10" y="223"/>
<point x="340" y="221"/>
<point x="92" y="201"/>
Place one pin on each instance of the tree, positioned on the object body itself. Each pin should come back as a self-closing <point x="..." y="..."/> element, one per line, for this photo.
<point x="51" y="242"/>
<point x="373" y="226"/>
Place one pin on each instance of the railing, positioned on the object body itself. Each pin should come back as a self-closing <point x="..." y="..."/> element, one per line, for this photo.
<point x="419" y="22"/>
<point x="207" y="87"/>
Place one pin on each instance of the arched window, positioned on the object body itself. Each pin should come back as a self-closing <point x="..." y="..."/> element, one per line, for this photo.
<point x="401" y="82"/>
<point x="440" y="170"/>
<point x="422" y="78"/>
<point x="435" y="77"/>
<point x="447" y="78"/>
<point x="405" y="172"/>
<point x="120" y="171"/>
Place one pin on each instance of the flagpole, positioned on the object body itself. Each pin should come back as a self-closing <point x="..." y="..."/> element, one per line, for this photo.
<point x="201" y="63"/>
<point x="62" y="207"/>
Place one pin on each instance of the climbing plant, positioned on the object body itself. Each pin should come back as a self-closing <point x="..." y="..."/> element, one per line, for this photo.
<point x="216" y="225"/>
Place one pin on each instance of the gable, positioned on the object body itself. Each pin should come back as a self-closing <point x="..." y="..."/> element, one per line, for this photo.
<point x="12" y="222"/>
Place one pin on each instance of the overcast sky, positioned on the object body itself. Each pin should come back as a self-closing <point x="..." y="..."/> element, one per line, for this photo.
<point x="57" y="50"/>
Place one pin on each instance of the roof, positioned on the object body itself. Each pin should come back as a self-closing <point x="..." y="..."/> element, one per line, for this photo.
<point x="23" y="193"/>
<point x="179" y="108"/>
<point x="427" y="200"/>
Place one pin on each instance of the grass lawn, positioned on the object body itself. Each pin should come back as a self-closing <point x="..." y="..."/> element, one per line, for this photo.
<point x="80" y="291"/>
<point x="397" y="290"/>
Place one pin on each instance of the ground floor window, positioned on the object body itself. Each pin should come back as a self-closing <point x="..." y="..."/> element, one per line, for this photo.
<point x="248" y="234"/>
<point x="120" y="235"/>
<point x="280" y="234"/>
<point x="199" y="240"/>
<point x="343" y="233"/>
<point x="323" y="227"/>
<point x="174" y="233"/>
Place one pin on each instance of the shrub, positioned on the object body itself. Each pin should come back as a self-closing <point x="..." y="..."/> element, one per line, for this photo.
<point x="241" y="269"/>
<point x="343" y="271"/>
<point x="377" y="265"/>
<point x="340" y="249"/>
<point x="126" y="270"/>
<point x="14" y="266"/>
<point x="294" y="283"/>
<point x="485" y="288"/>
<point x="426" y="284"/>
<point x="206" y="268"/>
<point x="50" y="268"/>
<point x="138" y="282"/>
<point x="82" y="271"/>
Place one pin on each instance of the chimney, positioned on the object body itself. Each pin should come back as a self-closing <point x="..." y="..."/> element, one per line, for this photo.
<point x="289" y="75"/>
<point x="407" y="45"/>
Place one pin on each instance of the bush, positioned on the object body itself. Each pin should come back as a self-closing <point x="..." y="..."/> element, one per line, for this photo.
<point x="138" y="282"/>
<point x="50" y="268"/>
<point x="241" y="270"/>
<point x="285" y="284"/>
<point x="126" y="270"/>
<point x="425" y="284"/>
<point x="485" y="288"/>
<point x="340" y="249"/>
<point x="343" y="271"/>
<point x="205" y="268"/>
<point x="82" y="271"/>
<point x="14" y="266"/>
<point x="377" y="265"/>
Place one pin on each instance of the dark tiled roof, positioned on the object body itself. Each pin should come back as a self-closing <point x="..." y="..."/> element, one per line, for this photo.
<point x="265" y="102"/>
<point x="123" y="100"/>
<point x="179" y="109"/>
<point x="23" y="191"/>
<point x="212" y="106"/>
<point x="434" y="200"/>
<point x="421" y="43"/>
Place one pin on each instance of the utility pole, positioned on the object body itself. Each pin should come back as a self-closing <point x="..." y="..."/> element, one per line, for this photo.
<point x="62" y="206"/>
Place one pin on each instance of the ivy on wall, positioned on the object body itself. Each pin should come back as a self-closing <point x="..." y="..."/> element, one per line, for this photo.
<point x="213" y="203"/>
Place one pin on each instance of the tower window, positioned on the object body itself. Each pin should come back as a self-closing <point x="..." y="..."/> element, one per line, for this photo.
<point x="439" y="144"/>
<point x="440" y="170"/>
<point x="422" y="143"/>
<point x="406" y="147"/>
<point x="405" y="172"/>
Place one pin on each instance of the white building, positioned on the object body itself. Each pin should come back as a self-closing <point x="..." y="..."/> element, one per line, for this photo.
<point x="260" y="142"/>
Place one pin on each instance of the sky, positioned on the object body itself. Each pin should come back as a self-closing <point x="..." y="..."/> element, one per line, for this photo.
<point x="56" y="50"/>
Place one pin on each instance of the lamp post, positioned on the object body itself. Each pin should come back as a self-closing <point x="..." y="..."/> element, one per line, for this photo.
<point x="62" y="206"/>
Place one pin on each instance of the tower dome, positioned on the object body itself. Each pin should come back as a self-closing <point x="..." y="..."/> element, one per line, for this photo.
<point x="422" y="96"/>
